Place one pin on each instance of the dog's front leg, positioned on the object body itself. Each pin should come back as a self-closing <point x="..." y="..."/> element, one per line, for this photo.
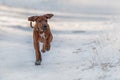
<point x="48" y="42"/>
<point x="44" y="46"/>
<point x="36" y="46"/>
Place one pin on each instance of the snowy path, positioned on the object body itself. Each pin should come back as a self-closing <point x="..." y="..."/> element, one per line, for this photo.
<point x="81" y="50"/>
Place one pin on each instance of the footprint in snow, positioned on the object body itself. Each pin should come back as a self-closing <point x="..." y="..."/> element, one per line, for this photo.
<point x="77" y="51"/>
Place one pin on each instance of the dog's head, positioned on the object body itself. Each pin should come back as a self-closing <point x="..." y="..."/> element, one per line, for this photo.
<point x="41" y="21"/>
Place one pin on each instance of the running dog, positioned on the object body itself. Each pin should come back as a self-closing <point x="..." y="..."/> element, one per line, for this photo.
<point x="41" y="33"/>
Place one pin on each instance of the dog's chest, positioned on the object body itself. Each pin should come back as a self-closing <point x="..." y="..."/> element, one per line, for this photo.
<point x="42" y="35"/>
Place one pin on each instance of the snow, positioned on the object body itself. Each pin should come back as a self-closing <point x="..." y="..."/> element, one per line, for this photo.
<point x="71" y="6"/>
<point x="85" y="47"/>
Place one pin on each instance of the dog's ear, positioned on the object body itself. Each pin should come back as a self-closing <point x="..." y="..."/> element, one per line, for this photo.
<point x="48" y="16"/>
<point x="32" y="18"/>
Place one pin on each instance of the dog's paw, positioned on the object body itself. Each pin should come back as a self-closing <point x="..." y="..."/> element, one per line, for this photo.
<point x="38" y="62"/>
<point x="47" y="48"/>
<point x="43" y="51"/>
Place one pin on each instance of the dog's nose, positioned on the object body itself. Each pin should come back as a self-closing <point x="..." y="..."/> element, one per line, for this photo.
<point x="44" y="27"/>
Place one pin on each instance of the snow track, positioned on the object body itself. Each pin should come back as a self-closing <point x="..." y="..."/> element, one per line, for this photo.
<point x="81" y="50"/>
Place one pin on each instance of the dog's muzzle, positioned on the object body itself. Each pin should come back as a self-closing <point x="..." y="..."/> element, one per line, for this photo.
<point x="44" y="28"/>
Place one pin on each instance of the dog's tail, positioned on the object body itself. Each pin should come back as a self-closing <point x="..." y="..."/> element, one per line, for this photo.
<point x="31" y="24"/>
<point x="31" y="20"/>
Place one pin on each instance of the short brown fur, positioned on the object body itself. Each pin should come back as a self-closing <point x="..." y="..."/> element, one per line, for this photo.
<point x="41" y="33"/>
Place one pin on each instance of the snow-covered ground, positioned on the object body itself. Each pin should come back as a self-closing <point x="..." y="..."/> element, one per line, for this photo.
<point x="71" y="6"/>
<point x="85" y="47"/>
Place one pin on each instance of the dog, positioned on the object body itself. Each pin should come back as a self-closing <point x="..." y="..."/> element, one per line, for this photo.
<point x="41" y="33"/>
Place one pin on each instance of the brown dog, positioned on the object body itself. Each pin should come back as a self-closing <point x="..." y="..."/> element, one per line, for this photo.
<point x="41" y="33"/>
